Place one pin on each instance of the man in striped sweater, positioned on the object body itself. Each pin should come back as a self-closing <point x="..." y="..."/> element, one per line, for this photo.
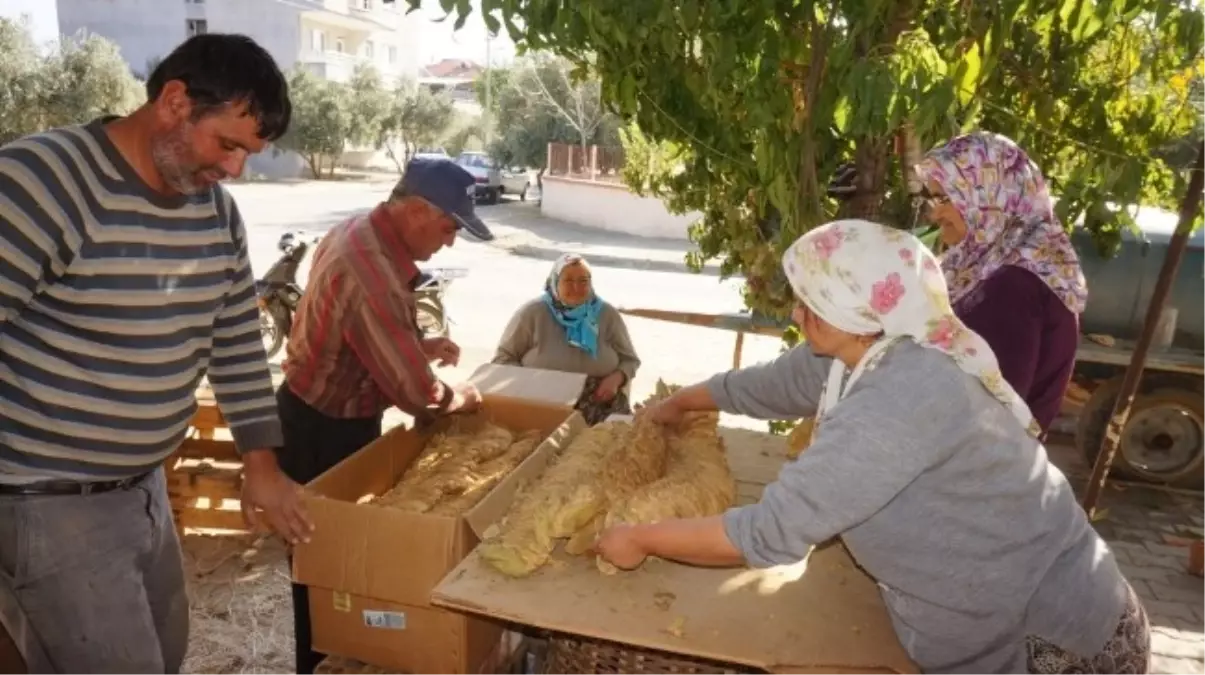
<point x="124" y="280"/>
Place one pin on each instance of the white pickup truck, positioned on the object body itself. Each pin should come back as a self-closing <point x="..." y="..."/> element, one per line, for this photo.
<point x="494" y="181"/>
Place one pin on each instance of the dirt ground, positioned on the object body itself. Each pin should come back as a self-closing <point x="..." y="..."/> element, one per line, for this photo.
<point x="242" y="617"/>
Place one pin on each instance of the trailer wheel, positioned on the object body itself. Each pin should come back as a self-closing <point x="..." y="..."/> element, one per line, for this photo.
<point x="1163" y="439"/>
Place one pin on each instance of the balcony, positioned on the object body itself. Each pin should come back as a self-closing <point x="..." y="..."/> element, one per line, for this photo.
<point x="331" y="65"/>
<point x="348" y="15"/>
<point x="375" y="12"/>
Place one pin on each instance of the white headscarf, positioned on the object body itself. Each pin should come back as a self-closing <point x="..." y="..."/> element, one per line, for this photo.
<point x="865" y="278"/>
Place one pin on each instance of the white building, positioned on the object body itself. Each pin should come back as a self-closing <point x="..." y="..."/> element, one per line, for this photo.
<point x="328" y="37"/>
<point x="42" y="17"/>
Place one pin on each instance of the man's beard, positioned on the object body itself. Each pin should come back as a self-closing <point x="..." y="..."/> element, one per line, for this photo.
<point x="170" y="153"/>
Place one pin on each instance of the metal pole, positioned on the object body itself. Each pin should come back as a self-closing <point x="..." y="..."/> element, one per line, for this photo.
<point x="489" y="131"/>
<point x="1129" y="386"/>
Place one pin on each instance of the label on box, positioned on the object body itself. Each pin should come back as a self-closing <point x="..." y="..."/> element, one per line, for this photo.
<point x="341" y="601"/>
<point x="390" y="620"/>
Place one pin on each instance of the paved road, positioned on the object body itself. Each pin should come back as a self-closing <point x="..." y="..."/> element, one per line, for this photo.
<point x="499" y="280"/>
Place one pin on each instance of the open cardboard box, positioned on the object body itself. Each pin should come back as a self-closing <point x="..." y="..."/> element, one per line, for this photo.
<point x="371" y="569"/>
<point x="824" y="615"/>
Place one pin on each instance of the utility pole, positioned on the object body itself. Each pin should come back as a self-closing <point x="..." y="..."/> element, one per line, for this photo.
<point x="489" y="131"/>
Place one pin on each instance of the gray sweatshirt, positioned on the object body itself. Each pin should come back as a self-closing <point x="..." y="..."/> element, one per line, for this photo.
<point x="975" y="538"/>
<point x="534" y="339"/>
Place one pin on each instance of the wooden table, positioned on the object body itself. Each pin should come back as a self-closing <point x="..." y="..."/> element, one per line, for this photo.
<point x="824" y="616"/>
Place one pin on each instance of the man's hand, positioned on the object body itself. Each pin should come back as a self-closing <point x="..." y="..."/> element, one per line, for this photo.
<point x="271" y="498"/>
<point x="608" y="387"/>
<point x="443" y="350"/>
<point x="465" y="398"/>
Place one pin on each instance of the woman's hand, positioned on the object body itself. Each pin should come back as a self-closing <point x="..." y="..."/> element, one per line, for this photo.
<point x="666" y="411"/>
<point x="608" y="387"/>
<point x="621" y="546"/>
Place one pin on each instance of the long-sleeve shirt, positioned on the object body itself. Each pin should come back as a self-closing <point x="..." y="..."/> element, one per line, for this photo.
<point x="534" y="339"/>
<point x="975" y="538"/>
<point x="1032" y="333"/>
<point x="355" y="348"/>
<point x="115" y="301"/>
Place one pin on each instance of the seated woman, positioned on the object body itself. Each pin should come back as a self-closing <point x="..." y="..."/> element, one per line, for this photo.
<point x="570" y="329"/>
<point x="1012" y="272"/>
<point x="924" y="461"/>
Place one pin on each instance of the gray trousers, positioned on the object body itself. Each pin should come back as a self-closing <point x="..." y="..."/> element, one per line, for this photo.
<point x="94" y="583"/>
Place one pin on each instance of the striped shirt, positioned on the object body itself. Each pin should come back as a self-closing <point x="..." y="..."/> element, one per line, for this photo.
<point x="355" y="348"/>
<point x="115" y="301"/>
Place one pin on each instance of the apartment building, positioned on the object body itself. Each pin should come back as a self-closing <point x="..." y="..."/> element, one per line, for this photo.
<point x="329" y="37"/>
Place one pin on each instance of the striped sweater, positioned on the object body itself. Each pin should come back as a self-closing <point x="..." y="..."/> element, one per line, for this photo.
<point x="115" y="301"/>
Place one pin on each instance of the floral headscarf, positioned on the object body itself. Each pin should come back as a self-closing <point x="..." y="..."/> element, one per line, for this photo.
<point x="865" y="278"/>
<point x="1009" y="215"/>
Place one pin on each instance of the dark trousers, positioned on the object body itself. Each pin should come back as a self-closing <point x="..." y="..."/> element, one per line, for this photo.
<point x="313" y="444"/>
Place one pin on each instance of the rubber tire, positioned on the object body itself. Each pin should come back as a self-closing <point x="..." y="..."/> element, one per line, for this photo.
<point x="437" y="317"/>
<point x="278" y="341"/>
<point x="1094" y="417"/>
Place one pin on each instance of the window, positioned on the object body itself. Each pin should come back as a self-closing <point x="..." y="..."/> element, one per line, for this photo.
<point x="317" y="41"/>
<point x="369" y="50"/>
<point x="197" y="27"/>
<point x="339" y="45"/>
<point x="392" y="54"/>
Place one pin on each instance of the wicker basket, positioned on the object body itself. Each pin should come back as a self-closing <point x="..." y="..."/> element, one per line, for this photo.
<point x="576" y="654"/>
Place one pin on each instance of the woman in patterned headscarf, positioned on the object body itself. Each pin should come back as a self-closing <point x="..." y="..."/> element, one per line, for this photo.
<point x="570" y="329"/>
<point x="1013" y="274"/>
<point x="924" y="461"/>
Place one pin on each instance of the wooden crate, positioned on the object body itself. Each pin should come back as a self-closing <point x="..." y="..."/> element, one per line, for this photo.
<point x="205" y="475"/>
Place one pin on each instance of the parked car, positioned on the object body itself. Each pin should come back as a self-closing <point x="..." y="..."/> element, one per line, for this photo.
<point x="431" y="155"/>
<point x="494" y="181"/>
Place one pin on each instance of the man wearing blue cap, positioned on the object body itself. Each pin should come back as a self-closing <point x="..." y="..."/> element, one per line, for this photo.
<point x="355" y="348"/>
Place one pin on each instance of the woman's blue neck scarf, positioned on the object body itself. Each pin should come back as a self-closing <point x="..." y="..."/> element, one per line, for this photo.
<point x="581" y="322"/>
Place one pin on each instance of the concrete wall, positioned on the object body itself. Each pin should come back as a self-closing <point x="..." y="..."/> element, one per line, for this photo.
<point x="611" y="206"/>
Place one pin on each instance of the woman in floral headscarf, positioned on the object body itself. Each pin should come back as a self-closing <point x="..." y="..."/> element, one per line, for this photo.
<point x="570" y="329"/>
<point x="924" y="461"/>
<point x="1013" y="274"/>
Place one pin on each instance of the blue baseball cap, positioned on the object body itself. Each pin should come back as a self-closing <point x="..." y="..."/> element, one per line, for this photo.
<point x="449" y="187"/>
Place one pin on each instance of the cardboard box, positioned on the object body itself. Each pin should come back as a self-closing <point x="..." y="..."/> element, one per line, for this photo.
<point x="402" y="637"/>
<point x="371" y="569"/>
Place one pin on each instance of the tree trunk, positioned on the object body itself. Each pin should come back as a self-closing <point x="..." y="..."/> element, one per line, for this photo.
<point x="870" y="158"/>
<point x="315" y="162"/>
<point x="393" y="156"/>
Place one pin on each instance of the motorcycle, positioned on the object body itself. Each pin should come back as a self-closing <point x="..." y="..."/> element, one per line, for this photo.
<point x="279" y="293"/>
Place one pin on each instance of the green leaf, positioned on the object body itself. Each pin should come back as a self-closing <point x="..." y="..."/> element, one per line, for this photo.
<point x="841" y="115"/>
<point x="491" y="23"/>
<point x="967" y="74"/>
